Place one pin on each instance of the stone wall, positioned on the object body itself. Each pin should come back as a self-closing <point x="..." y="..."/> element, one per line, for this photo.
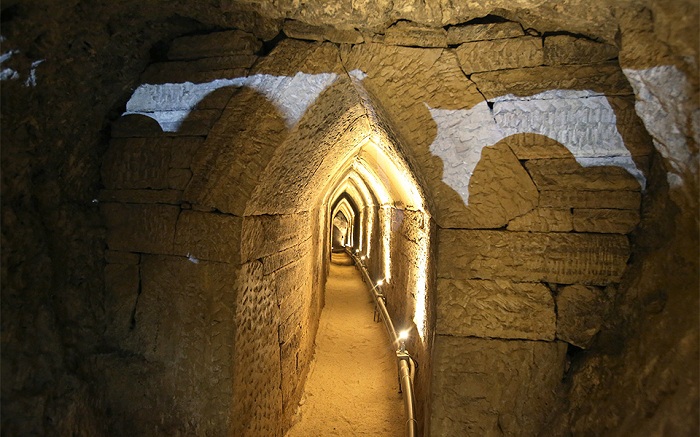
<point x="83" y="369"/>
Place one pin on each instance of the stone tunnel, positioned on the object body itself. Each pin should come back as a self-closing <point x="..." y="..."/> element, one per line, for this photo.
<point x="521" y="177"/>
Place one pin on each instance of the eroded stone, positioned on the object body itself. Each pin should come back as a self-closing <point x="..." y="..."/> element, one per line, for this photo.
<point x="566" y="49"/>
<point x="580" y="313"/>
<point x="227" y="43"/>
<point x="562" y="258"/>
<point x="543" y="220"/>
<point x="500" y="54"/>
<point x="140" y="228"/>
<point x="208" y="236"/>
<point x="605" y="77"/>
<point x="483" y="32"/>
<point x="613" y="221"/>
<point x="487" y="387"/>
<point x="495" y="309"/>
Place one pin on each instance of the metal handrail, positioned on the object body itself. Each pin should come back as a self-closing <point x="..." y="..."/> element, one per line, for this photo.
<point x="405" y="363"/>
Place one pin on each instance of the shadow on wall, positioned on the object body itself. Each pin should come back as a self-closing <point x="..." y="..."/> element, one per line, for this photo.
<point x="185" y="320"/>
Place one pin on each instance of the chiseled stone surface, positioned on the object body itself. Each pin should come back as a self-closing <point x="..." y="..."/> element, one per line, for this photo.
<point x="140" y="228"/>
<point x="182" y="324"/>
<point x="562" y="258"/>
<point x="495" y="309"/>
<point x="567" y="174"/>
<point x="566" y="49"/>
<point x="200" y="70"/>
<point x="486" y="387"/>
<point x="500" y="54"/>
<point x="605" y="77"/>
<point x="543" y="220"/>
<point x="256" y="380"/>
<point x="208" y="236"/>
<point x="611" y="199"/>
<point x="499" y="190"/>
<point x="483" y="32"/>
<point x="170" y="197"/>
<point x="122" y="283"/>
<point x="408" y="34"/>
<point x="268" y="235"/>
<point x="581" y="310"/>
<point x="115" y="257"/>
<point x="612" y="221"/>
<point x="231" y="42"/>
<point x="301" y="30"/>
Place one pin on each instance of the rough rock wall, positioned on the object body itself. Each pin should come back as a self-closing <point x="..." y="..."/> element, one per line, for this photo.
<point x="50" y="176"/>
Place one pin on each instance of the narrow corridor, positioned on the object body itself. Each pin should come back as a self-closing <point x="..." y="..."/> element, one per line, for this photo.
<point x="352" y="388"/>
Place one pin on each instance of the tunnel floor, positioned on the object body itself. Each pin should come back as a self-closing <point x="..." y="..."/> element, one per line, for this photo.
<point x="352" y="388"/>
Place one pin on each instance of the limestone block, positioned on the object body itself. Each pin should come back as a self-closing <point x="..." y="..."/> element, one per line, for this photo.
<point x="178" y="178"/>
<point x="499" y="190"/>
<point x="300" y="30"/>
<point x="144" y="163"/>
<point x="208" y="236"/>
<point x="199" y="70"/>
<point x="257" y="378"/>
<point x="404" y="33"/>
<point x="495" y="309"/>
<point x="612" y="221"/>
<point x="169" y="197"/>
<point x="580" y="314"/>
<point x="500" y="54"/>
<point x="567" y="174"/>
<point x="606" y="77"/>
<point x="136" y="163"/>
<point x="266" y="234"/>
<point x="484" y="387"/>
<point x="184" y="315"/>
<point x="612" y="199"/>
<point x="114" y="257"/>
<point x="543" y="220"/>
<point x="140" y="228"/>
<point x="566" y="49"/>
<point x="272" y="263"/>
<point x="182" y="150"/>
<point x="122" y="283"/>
<point x="536" y="146"/>
<point x="562" y="258"/>
<point x="483" y="32"/>
<point x="227" y="43"/>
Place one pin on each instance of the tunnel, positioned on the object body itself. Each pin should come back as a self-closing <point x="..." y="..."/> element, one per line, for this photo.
<point x="513" y="186"/>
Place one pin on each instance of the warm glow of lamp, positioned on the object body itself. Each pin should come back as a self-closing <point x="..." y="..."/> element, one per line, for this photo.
<point x="403" y="335"/>
<point x="380" y="282"/>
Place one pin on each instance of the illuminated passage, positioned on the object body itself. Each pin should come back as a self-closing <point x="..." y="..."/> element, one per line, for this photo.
<point x="352" y="387"/>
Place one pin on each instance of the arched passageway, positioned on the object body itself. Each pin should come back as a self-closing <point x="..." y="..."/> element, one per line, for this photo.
<point x="481" y="220"/>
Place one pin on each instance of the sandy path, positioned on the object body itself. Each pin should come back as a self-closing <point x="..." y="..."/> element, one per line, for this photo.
<point x="352" y="388"/>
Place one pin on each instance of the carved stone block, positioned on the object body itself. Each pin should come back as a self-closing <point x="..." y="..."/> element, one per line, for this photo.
<point x="611" y="221"/>
<point x="496" y="309"/>
<point x="484" y="387"/>
<point x="563" y="258"/>
<point x="500" y="54"/>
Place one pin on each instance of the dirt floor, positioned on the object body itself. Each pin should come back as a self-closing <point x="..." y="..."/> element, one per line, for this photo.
<point x="352" y="388"/>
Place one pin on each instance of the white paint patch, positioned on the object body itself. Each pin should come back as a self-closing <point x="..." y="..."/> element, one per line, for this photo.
<point x="582" y="121"/>
<point x="170" y="104"/>
<point x="31" y="80"/>
<point x="664" y="104"/>
<point x="8" y="73"/>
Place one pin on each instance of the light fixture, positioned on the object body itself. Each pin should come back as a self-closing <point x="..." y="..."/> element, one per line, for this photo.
<point x="380" y="282"/>
<point x="403" y="336"/>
